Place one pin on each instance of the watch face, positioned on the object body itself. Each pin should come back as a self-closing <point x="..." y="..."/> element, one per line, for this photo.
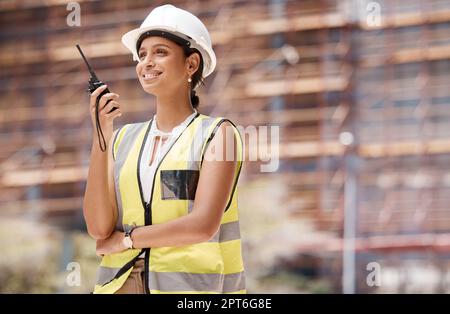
<point x="127" y="242"/>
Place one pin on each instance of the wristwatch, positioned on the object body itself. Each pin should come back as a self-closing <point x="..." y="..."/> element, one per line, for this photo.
<point x="127" y="241"/>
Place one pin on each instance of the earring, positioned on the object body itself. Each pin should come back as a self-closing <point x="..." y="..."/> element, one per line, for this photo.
<point x="189" y="80"/>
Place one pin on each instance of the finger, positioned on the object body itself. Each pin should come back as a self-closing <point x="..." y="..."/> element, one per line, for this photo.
<point x="105" y="99"/>
<point x="116" y="113"/>
<point x="110" y="106"/>
<point x="98" y="91"/>
<point x="110" y="96"/>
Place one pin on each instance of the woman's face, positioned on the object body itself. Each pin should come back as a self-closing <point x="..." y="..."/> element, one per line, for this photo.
<point x="162" y="66"/>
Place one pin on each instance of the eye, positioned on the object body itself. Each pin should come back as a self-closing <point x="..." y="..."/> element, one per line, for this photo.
<point x="141" y="55"/>
<point x="160" y="51"/>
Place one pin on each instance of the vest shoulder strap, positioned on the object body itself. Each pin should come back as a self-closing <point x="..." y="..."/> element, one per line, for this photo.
<point x="219" y="122"/>
<point x="126" y="134"/>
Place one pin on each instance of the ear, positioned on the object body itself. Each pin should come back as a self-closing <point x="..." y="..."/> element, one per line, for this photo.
<point x="192" y="63"/>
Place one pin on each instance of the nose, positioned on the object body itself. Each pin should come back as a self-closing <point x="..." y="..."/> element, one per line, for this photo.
<point x="148" y="62"/>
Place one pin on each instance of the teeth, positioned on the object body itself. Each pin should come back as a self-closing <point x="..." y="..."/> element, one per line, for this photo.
<point x="151" y="75"/>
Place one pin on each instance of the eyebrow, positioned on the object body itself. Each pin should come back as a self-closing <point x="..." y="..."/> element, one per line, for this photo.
<point x="164" y="45"/>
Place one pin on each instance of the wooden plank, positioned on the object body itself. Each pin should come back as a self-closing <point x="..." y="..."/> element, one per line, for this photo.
<point x="44" y="176"/>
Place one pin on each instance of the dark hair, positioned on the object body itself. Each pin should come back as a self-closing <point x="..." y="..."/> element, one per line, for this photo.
<point x="197" y="78"/>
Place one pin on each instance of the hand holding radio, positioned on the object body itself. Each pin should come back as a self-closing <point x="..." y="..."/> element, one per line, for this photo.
<point x="108" y="109"/>
<point x="104" y="107"/>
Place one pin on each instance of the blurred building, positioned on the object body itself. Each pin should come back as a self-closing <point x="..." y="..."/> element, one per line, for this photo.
<point x="359" y="90"/>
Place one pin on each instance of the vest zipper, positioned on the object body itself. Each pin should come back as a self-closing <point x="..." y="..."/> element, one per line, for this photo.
<point x="147" y="209"/>
<point x="148" y="221"/>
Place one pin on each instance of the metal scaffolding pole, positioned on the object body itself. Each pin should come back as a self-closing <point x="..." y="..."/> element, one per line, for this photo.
<point x="349" y="255"/>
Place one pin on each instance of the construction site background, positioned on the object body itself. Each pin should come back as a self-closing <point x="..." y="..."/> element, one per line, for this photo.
<point x="359" y="91"/>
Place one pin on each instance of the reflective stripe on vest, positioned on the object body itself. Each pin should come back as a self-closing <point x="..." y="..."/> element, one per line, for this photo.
<point x="213" y="266"/>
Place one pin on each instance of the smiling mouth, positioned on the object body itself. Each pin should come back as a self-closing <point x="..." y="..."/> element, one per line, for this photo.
<point x="149" y="76"/>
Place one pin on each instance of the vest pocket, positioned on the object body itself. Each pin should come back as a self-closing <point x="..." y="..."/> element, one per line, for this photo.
<point x="179" y="184"/>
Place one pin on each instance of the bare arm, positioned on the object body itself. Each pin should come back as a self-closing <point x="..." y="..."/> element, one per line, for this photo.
<point x="99" y="209"/>
<point x="213" y="190"/>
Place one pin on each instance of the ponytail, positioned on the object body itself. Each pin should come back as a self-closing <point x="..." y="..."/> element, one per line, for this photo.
<point x="195" y="101"/>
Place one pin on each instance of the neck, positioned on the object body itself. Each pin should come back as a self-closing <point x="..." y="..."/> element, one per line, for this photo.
<point x="171" y="111"/>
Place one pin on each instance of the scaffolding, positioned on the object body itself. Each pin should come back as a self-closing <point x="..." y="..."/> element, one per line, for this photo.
<point x="362" y="109"/>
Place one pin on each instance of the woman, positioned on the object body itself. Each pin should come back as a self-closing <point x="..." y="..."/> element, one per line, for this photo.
<point x="161" y="201"/>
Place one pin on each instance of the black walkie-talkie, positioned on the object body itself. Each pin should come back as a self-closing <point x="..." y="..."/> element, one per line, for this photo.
<point x="95" y="83"/>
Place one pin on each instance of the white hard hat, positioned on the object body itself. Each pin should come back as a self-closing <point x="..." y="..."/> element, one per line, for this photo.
<point x="170" y="19"/>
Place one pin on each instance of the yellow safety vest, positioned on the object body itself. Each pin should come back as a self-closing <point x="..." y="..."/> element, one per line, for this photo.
<point x="214" y="266"/>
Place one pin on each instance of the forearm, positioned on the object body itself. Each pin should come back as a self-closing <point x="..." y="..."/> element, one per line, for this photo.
<point x="185" y="230"/>
<point x="97" y="208"/>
